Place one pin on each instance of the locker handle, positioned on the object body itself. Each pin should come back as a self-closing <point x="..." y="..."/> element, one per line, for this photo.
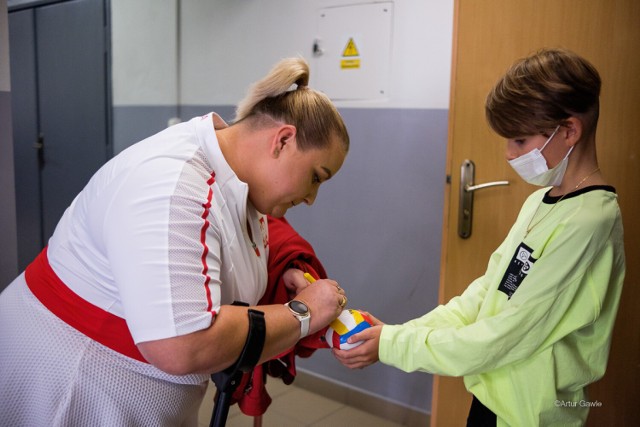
<point x="39" y="146"/>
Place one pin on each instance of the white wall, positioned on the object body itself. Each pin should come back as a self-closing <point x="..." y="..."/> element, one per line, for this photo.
<point x="144" y="52"/>
<point x="224" y="45"/>
<point x="145" y="68"/>
<point x="227" y="44"/>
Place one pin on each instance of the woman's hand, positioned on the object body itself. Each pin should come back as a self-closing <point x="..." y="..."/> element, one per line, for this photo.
<point x="325" y="299"/>
<point x="367" y="352"/>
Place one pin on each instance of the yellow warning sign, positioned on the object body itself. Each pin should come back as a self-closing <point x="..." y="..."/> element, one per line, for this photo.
<point x="351" y="49"/>
<point x="346" y="64"/>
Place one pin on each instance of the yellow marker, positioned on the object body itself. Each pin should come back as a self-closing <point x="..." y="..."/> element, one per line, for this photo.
<point x="309" y="278"/>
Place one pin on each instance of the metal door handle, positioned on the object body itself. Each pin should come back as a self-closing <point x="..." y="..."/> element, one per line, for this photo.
<point x="467" y="187"/>
<point x="485" y="185"/>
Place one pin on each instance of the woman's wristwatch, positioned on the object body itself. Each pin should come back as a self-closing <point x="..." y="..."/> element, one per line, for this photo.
<point x="301" y="312"/>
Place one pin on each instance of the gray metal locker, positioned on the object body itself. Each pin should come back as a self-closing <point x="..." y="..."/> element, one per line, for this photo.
<point x="61" y="110"/>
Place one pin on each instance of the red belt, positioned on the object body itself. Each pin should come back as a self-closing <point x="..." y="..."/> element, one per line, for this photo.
<point x="106" y="328"/>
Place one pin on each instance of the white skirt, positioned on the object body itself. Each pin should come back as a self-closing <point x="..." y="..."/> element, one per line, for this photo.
<point x="53" y="375"/>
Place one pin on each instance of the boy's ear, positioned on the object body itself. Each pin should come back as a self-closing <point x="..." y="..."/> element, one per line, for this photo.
<point x="573" y="130"/>
<point x="283" y="139"/>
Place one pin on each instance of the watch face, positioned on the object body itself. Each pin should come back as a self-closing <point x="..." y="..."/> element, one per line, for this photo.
<point x="299" y="307"/>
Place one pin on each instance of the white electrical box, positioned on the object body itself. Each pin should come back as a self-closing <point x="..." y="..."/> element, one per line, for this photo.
<point x="353" y="51"/>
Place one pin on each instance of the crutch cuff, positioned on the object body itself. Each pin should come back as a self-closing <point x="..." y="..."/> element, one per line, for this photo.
<point x="254" y="344"/>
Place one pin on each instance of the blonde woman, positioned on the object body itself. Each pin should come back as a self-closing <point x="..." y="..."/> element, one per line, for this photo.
<point x="122" y="318"/>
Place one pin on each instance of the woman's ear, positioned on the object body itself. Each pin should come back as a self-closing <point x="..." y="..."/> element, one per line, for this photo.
<point x="573" y="130"/>
<point x="283" y="139"/>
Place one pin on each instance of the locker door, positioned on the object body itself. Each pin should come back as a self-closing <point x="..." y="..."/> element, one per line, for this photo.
<point x="72" y="86"/>
<point x="60" y="99"/>
<point x="24" y="105"/>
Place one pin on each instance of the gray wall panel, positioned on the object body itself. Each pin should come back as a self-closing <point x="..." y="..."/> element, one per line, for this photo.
<point x="135" y="123"/>
<point x="377" y="228"/>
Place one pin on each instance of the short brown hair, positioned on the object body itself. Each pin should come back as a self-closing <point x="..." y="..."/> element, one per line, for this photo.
<point x="541" y="91"/>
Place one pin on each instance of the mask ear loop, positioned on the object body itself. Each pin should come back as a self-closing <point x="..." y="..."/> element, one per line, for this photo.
<point x="550" y="138"/>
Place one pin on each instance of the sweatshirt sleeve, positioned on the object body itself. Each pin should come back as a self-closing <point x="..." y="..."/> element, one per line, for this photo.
<point x="562" y="293"/>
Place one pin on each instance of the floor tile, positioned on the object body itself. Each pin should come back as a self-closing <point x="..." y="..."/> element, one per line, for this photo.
<point x="295" y="407"/>
<point x="350" y="417"/>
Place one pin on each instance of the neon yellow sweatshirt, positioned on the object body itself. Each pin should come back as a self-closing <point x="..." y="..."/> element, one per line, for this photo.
<point x="532" y="332"/>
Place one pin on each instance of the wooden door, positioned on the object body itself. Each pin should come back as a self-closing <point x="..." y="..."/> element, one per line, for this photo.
<point x="489" y="35"/>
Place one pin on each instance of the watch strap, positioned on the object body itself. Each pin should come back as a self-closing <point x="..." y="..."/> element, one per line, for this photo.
<point x="305" y="320"/>
<point x="305" y="323"/>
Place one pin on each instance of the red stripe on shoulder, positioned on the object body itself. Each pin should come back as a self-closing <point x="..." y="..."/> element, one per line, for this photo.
<point x="203" y="241"/>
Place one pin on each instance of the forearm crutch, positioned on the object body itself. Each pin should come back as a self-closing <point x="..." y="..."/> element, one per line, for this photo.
<point x="227" y="381"/>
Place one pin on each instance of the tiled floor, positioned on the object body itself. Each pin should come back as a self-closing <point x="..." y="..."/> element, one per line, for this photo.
<point x="294" y="407"/>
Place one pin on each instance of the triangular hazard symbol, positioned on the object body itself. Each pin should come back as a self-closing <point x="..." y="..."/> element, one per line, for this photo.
<point x="351" y="49"/>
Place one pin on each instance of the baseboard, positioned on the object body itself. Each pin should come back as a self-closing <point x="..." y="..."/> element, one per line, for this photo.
<point x="364" y="401"/>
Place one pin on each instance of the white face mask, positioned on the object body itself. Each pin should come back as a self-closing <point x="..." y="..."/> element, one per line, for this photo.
<point x="532" y="166"/>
